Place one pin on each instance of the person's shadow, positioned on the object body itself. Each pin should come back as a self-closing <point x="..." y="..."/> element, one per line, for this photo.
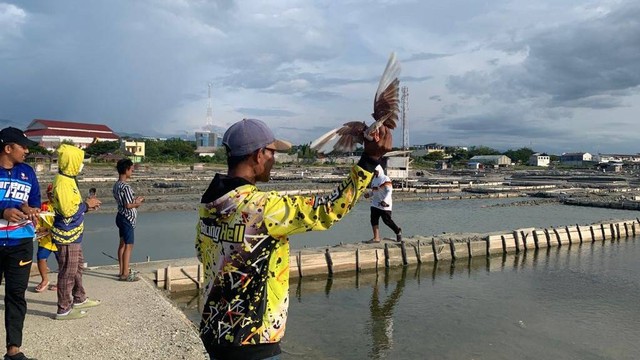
<point x="382" y="316"/>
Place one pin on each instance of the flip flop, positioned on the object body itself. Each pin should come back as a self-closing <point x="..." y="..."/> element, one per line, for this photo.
<point x="53" y="287"/>
<point x="132" y="277"/>
<point x="371" y="241"/>
<point x="40" y="288"/>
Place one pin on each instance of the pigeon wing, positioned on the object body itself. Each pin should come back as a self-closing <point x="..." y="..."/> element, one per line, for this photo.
<point x="386" y="101"/>
<point x="350" y="134"/>
<point x="320" y="144"/>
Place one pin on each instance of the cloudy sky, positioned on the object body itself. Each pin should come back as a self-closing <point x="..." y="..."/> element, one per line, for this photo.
<point x="556" y="76"/>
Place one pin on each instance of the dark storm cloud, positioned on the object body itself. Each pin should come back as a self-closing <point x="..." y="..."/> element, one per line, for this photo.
<point x="499" y="124"/>
<point x="596" y="57"/>
<point x="591" y="64"/>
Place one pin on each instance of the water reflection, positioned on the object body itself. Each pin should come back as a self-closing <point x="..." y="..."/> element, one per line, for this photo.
<point x="578" y="301"/>
<point x="381" y="323"/>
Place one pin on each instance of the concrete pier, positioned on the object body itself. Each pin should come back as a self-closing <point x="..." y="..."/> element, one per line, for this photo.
<point x="134" y="321"/>
<point x="326" y="262"/>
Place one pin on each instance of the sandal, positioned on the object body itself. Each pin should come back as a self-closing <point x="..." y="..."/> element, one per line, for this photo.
<point x="53" y="287"/>
<point x="371" y="241"/>
<point x="130" y="278"/>
<point x="41" y="287"/>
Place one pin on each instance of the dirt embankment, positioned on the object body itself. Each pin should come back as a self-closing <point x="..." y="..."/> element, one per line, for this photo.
<point x="165" y="188"/>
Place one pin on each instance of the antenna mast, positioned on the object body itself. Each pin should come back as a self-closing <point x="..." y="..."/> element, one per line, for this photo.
<point x="404" y="101"/>
<point x="209" y="125"/>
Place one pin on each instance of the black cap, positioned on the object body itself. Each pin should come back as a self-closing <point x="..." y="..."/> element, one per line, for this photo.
<point x="11" y="135"/>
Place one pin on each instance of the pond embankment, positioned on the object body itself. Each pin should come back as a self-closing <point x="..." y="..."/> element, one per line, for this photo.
<point x="345" y="258"/>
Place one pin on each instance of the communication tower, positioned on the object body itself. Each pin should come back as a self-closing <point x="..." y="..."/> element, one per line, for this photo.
<point x="209" y="125"/>
<point x="404" y="102"/>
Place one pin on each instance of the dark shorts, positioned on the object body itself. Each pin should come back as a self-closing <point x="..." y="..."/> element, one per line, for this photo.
<point x="125" y="229"/>
<point x="376" y="214"/>
<point x="43" y="253"/>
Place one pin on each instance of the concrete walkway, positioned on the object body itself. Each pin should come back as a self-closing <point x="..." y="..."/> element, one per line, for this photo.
<point x="134" y="321"/>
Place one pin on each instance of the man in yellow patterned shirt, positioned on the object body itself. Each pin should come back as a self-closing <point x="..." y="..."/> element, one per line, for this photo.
<point x="243" y="240"/>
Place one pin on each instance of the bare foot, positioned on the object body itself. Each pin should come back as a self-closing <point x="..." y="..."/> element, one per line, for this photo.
<point x="42" y="286"/>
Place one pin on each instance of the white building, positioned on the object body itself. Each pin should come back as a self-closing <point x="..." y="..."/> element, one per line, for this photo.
<point x="495" y="160"/>
<point x="398" y="165"/>
<point x="575" y="159"/>
<point x="605" y="158"/>
<point x="51" y="133"/>
<point x="539" y="159"/>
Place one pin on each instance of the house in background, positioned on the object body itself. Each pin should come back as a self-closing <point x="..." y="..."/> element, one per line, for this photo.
<point x="51" y="133"/>
<point x="492" y="160"/>
<point x="136" y="150"/>
<point x="575" y="159"/>
<point x="622" y="158"/>
<point x="539" y="159"/>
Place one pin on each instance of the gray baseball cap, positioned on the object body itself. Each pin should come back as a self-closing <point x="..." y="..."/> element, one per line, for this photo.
<point x="249" y="135"/>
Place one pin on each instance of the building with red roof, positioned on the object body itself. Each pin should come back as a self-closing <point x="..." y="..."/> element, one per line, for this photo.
<point x="51" y="133"/>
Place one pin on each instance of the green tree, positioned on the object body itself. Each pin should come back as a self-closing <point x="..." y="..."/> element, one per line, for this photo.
<point x="180" y="150"/>
<point x="37" y="149"/>
<point x="482" y="150"/>
<point x="153" y="149"/>
<point x="305" y="151"/>
<point x="102" y="147"/>
<point x="434" y="156"/>
<point x="458" y="155"/>
<point x="521" y="155"/>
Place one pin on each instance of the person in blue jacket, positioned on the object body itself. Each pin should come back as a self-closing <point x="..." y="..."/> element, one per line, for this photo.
<point x="19" y="208"/>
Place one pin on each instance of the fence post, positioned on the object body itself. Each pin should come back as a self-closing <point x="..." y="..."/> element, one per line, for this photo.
<point x="327" y="256"/>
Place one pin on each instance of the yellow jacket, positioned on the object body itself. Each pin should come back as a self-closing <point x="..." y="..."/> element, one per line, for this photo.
<point x="243" y="242"/>
<point x="43" y="229"/>
<point x="68" y="205"/>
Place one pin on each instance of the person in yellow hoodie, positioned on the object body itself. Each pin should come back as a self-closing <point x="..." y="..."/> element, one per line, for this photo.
<point x="67" y="231"/>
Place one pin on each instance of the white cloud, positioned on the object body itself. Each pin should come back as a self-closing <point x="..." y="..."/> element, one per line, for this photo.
<point x="11" y="20"/>
<point x="503" y="73"/>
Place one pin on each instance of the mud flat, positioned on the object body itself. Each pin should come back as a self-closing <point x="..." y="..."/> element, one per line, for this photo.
<point x="179" y="187"/>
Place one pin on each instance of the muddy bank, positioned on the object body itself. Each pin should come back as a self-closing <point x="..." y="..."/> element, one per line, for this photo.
<point x="179" y="188"/>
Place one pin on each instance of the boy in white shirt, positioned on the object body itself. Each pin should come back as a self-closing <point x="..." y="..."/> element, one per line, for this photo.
<point x="381" y="205"/>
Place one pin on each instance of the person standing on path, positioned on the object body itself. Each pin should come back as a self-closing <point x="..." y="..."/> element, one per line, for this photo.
<point x="242" y="239"/>
<point x="45" y="244"/>
<point x="381" y="205"/>
<point x="19" y="208"/>
<point x="128" y="205"/>
<point x="67" y="233"/>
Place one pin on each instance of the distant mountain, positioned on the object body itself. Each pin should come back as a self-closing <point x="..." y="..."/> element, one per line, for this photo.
<point x="186" y="135"/>
<point x="5" y="123"/>
<point x="130" y="135"/>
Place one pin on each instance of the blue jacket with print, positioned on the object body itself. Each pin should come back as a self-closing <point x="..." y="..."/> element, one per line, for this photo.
<point x="18" y="185"/>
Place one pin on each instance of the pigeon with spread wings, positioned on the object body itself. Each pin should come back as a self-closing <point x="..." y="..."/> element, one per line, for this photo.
<point x="385" y="113"/>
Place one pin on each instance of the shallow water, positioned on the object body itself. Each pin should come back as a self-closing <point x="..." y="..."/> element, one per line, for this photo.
<point x="171" y="234"/>
<point x="573" y="302"/>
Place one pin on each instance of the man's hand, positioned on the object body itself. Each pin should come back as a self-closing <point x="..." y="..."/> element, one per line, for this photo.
<point x="384" y="204"/>
<point x="366" y="195"/>
<point x="381" y="144"/>
<point x="93" y="203"/>
<point x="30" y="212"/>
<point x="14" y="215"/>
